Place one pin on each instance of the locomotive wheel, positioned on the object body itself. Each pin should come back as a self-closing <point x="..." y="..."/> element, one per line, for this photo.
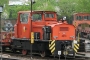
<point x="43" y="54"/>
<point x="24" y="52"/>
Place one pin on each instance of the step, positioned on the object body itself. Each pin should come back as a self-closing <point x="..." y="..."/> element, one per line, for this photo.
<point x="81" y="53"/>
<point x="87" y="54"/>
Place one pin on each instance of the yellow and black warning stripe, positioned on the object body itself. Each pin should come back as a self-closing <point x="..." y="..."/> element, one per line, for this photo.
<point x="76" y="46"/>
<point x="52" y="46"/>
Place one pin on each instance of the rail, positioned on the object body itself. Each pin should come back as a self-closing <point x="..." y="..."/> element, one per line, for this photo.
<point x="8" y="59"/>
<point x="86" y="40"/>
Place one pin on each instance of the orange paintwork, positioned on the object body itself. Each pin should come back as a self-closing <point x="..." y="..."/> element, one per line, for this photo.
<point x="23" y="30"/>
<point x="63" y="32"/>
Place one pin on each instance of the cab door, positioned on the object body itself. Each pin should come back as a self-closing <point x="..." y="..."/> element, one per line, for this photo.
<point x="24" y="26"/>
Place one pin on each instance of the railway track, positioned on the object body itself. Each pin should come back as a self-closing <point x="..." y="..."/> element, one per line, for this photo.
<point x="28" y="57"/>
<point x="82" y="38"/>
<point x="36" y="57"/>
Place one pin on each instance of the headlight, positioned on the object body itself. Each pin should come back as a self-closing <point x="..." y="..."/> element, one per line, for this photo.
<point x="73" y="37"/>
<point x="75" y="42"/>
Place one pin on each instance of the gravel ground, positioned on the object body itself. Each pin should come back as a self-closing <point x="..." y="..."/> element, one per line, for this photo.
<point x="34" y="57"/>
<point x="23" y="57"/>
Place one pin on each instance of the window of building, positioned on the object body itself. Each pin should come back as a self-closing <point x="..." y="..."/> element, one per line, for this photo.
<point x="24" y="17"/>
<point x="88" y="17"/>
<point x="85" y="17"/>
<point x="79" y="17"/>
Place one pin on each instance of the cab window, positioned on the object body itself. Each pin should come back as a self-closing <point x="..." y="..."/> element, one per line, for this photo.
<point x="49" y="15"/>
<point x="24" y="17"/>
<point x="36" y="17"/>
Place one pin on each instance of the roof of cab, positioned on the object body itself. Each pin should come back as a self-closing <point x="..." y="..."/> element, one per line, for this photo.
<point x="35" y="11"/>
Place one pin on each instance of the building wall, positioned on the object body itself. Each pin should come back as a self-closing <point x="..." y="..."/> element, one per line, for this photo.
<point x="12" y="21"/>
<point x="17" y="2"/>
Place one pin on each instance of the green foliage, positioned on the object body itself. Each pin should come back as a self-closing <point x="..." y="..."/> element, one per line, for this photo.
<point x="2" y="2"/>
<point x="44" y="5"/>
<point x="66" y="7"/>
<point x="39" y="5"/>
<point x="13" y="10"/>
<point x="83" y="6"/>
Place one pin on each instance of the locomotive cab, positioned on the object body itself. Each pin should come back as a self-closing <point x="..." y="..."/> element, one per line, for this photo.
<point x="38" y="19"/>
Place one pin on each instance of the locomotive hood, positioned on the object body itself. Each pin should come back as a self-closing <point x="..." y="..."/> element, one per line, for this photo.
<point x="62" y="31"/>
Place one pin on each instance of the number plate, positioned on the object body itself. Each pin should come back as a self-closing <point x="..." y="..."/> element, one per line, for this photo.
<point x="59" y="52"/>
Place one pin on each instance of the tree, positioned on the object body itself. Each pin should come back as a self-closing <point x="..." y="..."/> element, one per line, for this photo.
<point x="13" y="10"/>
<point x="2" y="2"/>
<point x="39" y="5"/>
<point x="83" y="6"/>
<point x="62" y="7"/>
<point x="44" y="5"/>
<point x="67" y="8"/>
